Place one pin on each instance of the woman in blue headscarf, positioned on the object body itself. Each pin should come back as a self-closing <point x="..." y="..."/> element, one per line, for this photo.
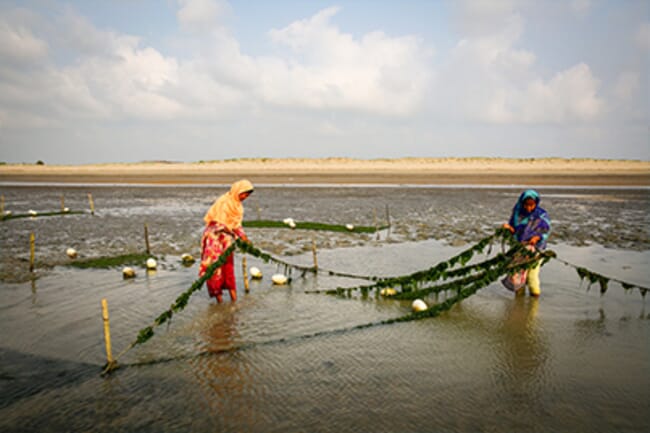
<point x="531" y="226"/>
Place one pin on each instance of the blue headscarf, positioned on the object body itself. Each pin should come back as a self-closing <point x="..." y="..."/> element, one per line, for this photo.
<point x="529" y="224"/>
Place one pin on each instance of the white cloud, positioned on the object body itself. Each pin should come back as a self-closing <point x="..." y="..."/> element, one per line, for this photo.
<point x="200" y="15"/>
<point x="487" y="76"/>
<point x="489" y="79"/>
<point x="19" y="44"/>
<point x="483" y="17"/>
<point x="331" y="69"/>
<point x="569" y="96"/>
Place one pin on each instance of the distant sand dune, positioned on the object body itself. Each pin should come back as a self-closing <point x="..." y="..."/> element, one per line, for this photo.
<point x="479" y="171"/>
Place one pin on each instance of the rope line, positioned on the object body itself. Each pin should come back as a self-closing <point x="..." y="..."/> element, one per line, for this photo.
<point x="465" y="281"/>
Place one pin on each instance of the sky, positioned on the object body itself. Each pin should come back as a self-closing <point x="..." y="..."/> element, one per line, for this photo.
<point x="196" y="80"/>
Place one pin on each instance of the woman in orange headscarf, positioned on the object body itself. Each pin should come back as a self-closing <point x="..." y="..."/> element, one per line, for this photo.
<point x="223" y="226"/>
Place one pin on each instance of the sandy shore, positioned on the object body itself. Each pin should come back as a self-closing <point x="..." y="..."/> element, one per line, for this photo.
<point x="422" y="171"/>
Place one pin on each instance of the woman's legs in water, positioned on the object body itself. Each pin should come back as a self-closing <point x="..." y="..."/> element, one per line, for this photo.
<point x="533" y="279"/>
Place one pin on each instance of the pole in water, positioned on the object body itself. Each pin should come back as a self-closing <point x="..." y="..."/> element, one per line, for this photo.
<point x="32" y="242"/>
<point x="2" y="205"/>
<point x="259" y="213"/>
<point x="92" y="204"/>
<point x="313" y="249"/>
<point x="387" y="216"/>
<point x="110" y="362"/>
<point x="62" y="203"/>
<point x="146" y="238"/>
<point x="245" y="273"/>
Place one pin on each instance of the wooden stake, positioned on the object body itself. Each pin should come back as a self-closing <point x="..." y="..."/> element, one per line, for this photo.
<point x="107" y="332"/>
<point x="259" y="213"/>
<point x="245" y="273"/>
<point x="313" y="249"/>
<point x="62" y="203"/>
<point x="2" y="205"/>
<point x="387" y="215"/>
<point x="146" y="238"/>
<point x="32" y="242"/>
<point x="92" y="204"/>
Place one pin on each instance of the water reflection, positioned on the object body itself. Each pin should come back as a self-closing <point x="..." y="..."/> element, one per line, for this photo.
<point x="524" y="349"/>
<point x="521" y="353"/>
<point x="225" y="381"/>
<point x="34" y="297"/>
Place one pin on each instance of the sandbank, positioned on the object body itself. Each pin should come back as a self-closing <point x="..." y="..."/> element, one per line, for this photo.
<point x="416" y="171"/>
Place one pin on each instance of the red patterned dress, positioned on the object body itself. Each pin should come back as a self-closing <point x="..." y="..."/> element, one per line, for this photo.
<point x="216" y="239"/>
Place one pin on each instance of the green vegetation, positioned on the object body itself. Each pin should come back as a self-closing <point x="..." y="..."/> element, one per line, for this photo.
<point x="135" y="259"/>
<point x="39" y="214"/>
<point x="312" y="226"/>
<point x="460" y="283"/>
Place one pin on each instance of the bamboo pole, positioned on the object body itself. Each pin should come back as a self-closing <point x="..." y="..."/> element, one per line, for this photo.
<point x="387" y="215"/>
<point x="146" y="238"/>
<point x="62" y="203"/>
<point x="374" y="211"/>
<point x="2" y="205"/>
<point x="107" y="333"/>
<point x="92" y="204"/>
<point x="245" y="273"/>
<point x="313" y="249"/>
<point x="259" y="213"/>
<point x="32" y="242"/>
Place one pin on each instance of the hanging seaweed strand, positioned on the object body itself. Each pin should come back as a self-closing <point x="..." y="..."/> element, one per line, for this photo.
<point x="181" y="302"/>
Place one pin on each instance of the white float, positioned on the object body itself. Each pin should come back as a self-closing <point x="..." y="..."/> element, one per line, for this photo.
<point x="279" y="279"/>
<point x="419" y="305"/>
<point x="387" y="291"/>
<point x="151" y="263"/>
<point x="349" y="227"/>
<point x="128" y="272"/>
<point x="187" y="259"/>
<point x="256" y="274"/>
<point x="71" y="252"/>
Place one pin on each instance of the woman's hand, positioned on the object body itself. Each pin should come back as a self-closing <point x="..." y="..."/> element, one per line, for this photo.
<point x="534" y="240"/>
<point x="509" y="227"/>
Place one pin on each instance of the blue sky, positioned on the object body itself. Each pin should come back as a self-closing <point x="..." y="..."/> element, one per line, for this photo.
<point x="190" y="80"/>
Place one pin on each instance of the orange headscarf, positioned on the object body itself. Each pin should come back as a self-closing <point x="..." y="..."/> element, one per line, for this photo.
<point x="228" y="209"/>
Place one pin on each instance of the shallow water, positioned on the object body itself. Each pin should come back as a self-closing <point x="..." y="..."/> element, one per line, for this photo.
<point x="281" y="359"/>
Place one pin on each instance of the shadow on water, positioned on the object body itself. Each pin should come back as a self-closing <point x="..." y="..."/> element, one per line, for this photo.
<point x="24" y="375"/>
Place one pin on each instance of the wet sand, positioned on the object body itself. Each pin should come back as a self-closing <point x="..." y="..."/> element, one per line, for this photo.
<point x="418" y="171"/>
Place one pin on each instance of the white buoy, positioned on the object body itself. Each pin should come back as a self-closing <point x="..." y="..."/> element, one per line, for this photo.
<point x="292" y="225"/>
<point x="279" y="279"/>
<point x="128" y="272"/>
<point x="387" y="291"/>
<point x="32" y="212"/>
<point x="151" y="263"/>
<point x="66" y="210"/>
<point x="419" y="305"/>
<point x="7" y="212"/>
<point x="187" y="259"/>
<point x="349" y="227"/>
<point x="71" y="252"/>
<point x="256" y="274"/>
<point x="288" y="221"/>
